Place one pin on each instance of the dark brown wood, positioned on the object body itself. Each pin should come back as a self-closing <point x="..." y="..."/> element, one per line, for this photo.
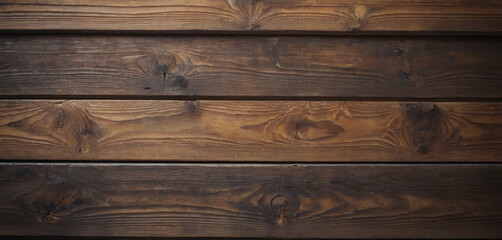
<point x="251" y="119"/>
<point x="325" y="16"/>
<point x="139" y="15"/>
<point x="250" y="67"/>
<point x="379" y="16"/>
<point x="156" y="130"/>
<point x="225" y="200"/>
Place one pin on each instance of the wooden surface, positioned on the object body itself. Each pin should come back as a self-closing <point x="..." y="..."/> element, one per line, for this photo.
<point x="192" y="15"/>
<point x="326" y="16"/>
<point x="377" y="16"/>
<point x="339" y="119"/>
<point x="225" y="200"/>
<point x="155" y="130"/>
<point x="250" y="67"/>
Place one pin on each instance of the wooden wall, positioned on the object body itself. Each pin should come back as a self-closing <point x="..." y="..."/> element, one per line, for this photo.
<point x="251" y="118"/>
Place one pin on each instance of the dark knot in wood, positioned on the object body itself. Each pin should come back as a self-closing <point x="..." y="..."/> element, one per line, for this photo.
<point x="423" y="123"/>
<point x="397" y="52"/>
<point x="281" y="206"/>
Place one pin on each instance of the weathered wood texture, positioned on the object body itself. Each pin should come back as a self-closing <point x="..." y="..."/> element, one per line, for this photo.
<point x="295" y="82"/>
<point x="419" y="16"/>
<point x="266" y="67"/>
<point x="379" y="16"/>
<point x="150" y="130"/>
<point x="326" y="201"/>
<point x="165" y="15"/>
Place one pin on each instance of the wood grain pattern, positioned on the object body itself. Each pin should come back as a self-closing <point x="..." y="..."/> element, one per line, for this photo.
<point x="379" y="16"/>
<point x="154" y="130"/>
<point x="258" y="16"/>
<point x="250" y="67"/>
<point x="137" y="15"/>
<point x="220" y="200"/>
<point x="227" y="85"/>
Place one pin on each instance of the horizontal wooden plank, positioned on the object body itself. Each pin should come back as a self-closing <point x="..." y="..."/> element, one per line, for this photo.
<point x="246" y="67"/>
<point x="153" y="130"/>
<point x="221" y="200"/>
<point x="165" y="15"/>
<point x="331" y="16"/>
<point x="379" y="16"/>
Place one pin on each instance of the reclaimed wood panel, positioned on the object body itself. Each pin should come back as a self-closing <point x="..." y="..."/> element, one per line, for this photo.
<point x="156" y="130"/>
<point x="377" y="16"/>
<point x="128" y="15"/>
<point x="228" y="200"/>
<point x="250" y="67"/>
<point x="256" y="16"/>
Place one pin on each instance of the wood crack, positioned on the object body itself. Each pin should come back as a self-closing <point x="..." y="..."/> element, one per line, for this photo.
<point x="51" y="210"/>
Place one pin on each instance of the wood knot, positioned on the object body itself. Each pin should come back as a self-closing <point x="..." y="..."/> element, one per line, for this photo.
<point x="90" y="133"/>
<point x="179" y="81"/>
<point x="59" y="121"/>
<point x="281" y="207"/>
<point x="54" y="201"/>
<point x="360" y="12"/>
<point x="192" y="106"/>
<point x="406" y="73"/>
<point x="166" y="63"/>
<point x="253" y="26"/>
<point x="422" y="112"/>
<point x="397" y="52"/>
<point x="423" y="126"/>
<point x="169" y="71"/>
<point x="306" y="129"/>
